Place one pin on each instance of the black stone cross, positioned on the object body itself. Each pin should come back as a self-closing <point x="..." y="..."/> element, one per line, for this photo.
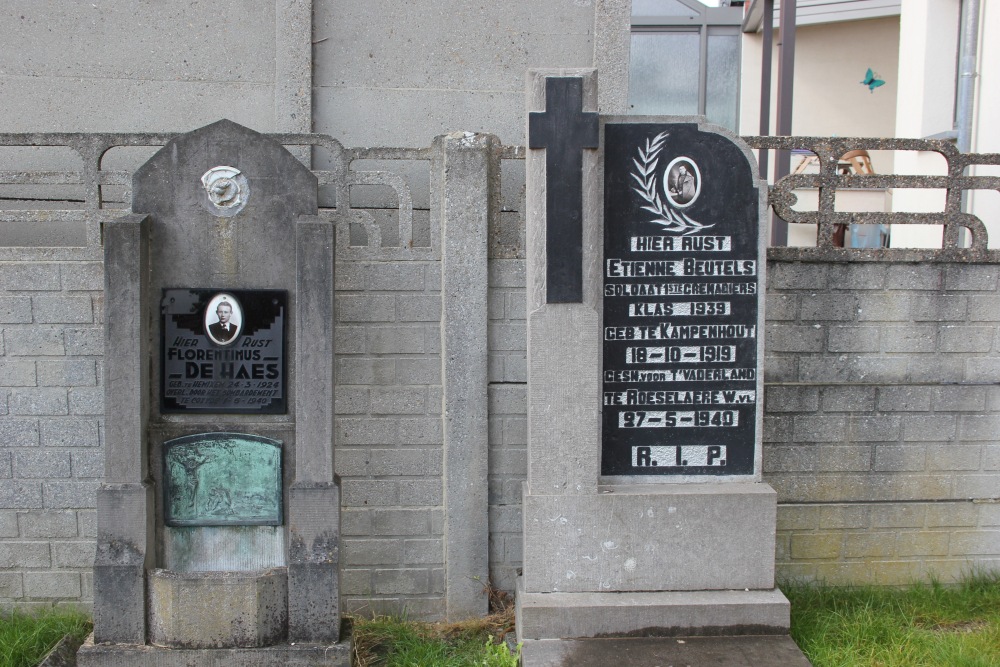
<point x="563" y="130"/>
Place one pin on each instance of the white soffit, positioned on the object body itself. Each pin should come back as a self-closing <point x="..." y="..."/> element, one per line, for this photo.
<point x="812" y="12"/>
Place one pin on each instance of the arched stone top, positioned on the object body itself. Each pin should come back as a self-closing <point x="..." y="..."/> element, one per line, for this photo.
<point x="224" y="200"/>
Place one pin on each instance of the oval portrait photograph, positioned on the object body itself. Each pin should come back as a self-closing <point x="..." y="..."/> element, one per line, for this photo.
<point x="683" y="182"/>
<point x="223" y="319"/>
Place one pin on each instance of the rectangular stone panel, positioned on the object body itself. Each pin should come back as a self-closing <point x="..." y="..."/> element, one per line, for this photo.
<point x="651" y="537"/>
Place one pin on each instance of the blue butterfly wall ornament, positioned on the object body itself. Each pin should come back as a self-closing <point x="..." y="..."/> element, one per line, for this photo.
<point x="872" y="80"/>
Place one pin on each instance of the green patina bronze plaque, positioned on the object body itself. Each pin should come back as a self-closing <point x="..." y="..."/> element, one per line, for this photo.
<point x="222" y="479"/>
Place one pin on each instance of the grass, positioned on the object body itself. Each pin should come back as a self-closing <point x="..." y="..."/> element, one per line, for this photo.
<point x="923" y="625"/>
<point x="384" y="641"/>
<point x="25" y="639"/>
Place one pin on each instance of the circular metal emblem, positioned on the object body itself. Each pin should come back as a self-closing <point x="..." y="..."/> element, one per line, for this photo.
<point x="228" y="190"/>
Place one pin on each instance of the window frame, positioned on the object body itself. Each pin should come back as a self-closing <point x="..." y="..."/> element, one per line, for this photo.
<point x="704" y="21"/>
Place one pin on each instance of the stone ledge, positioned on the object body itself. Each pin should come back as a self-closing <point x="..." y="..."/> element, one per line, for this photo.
<point x="652" y="614"/>
<point x="773" y="651"/>
<point x="282" y="655"/>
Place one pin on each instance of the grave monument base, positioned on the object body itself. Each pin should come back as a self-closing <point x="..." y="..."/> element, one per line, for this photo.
<point x="651" y="537"/>
<point x="645" y="560"/>
<point x="217" y="609"/>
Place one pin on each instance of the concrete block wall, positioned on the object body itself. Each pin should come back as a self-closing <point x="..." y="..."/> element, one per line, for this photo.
<point x="882" y="416"/>
<point x="508" y="435"/>
<point x="170" y="66"/>
<point x="438" y="66"/>
<point x="51" y="405"/>
<point x="882" y="426"/>
<point x="389" y="436"/>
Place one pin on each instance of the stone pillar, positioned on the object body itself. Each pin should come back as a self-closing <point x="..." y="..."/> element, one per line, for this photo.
<point x="124" y="500"/>
<point x="468" y="171"/>
<point x="314" y="498"/>
<point x="563" y="338"/>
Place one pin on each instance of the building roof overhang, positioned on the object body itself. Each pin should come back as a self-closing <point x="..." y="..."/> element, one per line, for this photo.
<point x="811" y="12"/>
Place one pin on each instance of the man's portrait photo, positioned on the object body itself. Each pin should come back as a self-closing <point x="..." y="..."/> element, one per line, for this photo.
<point x="223" y="319"/>
<point x="683" y="182"/>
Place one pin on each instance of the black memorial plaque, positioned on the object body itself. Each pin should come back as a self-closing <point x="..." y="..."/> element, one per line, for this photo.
<point x="236" y="366"/>
<point x="681" y="302"/>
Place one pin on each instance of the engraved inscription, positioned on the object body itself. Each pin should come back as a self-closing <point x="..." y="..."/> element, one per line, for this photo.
<point x="682" y="269"/>
<point x="223" y="351"/>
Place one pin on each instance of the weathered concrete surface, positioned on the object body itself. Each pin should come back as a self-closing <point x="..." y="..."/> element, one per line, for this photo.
<point x="690" y="651"/>
<point x="314" y="349"/>
<point x="563" y="339"/>
<point x="442" y="66"/>
<point x="314" y="497"/>
<point x="468" y="171"/>
<point x="127" y="299"/>
<point x="313" y="562"/>
<point x="124" y="550"/>
<point x="612" y="43"/>
<point x="255" y="250"/>
<point x="651" y="537"/>
<point x="125" y="501"/>
<point x="651" y="614"/>
<point x="564" y="429"/>
<point x="217" y="609"/>
<point x="173" y="67"/>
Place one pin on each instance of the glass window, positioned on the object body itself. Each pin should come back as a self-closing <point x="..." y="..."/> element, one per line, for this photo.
<point x="685" y="59"/>
<point x="663" y="77"/>
<point x="723" y="83"/>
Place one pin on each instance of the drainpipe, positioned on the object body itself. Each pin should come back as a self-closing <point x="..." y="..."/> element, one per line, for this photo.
<point x="966" y="94"/>
<point x="783" y="120"/>
<point x="968" y="47"/>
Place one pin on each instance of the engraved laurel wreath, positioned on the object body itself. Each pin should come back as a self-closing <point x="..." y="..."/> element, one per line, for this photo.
<point x="672" y="221"/>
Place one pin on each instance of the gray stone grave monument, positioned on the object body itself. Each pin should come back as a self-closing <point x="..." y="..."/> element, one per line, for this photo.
<point x="219" y="515"/>
<point x="644" y="509"/>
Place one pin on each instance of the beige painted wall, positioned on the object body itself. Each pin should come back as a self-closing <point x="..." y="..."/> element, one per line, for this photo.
<point x="829" y="99"/>
<point x="986" y="132"/>
<point x="929" y="37"/>
<point x="830" y="62"/>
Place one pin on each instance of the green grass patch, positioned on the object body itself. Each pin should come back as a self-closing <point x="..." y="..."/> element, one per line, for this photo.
<point x="393" y="642"/>
<point x="921" y="625"/>
<point x="26" y="638"/>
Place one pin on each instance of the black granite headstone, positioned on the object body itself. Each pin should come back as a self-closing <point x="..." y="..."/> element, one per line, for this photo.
<point x="681" y="303"/>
